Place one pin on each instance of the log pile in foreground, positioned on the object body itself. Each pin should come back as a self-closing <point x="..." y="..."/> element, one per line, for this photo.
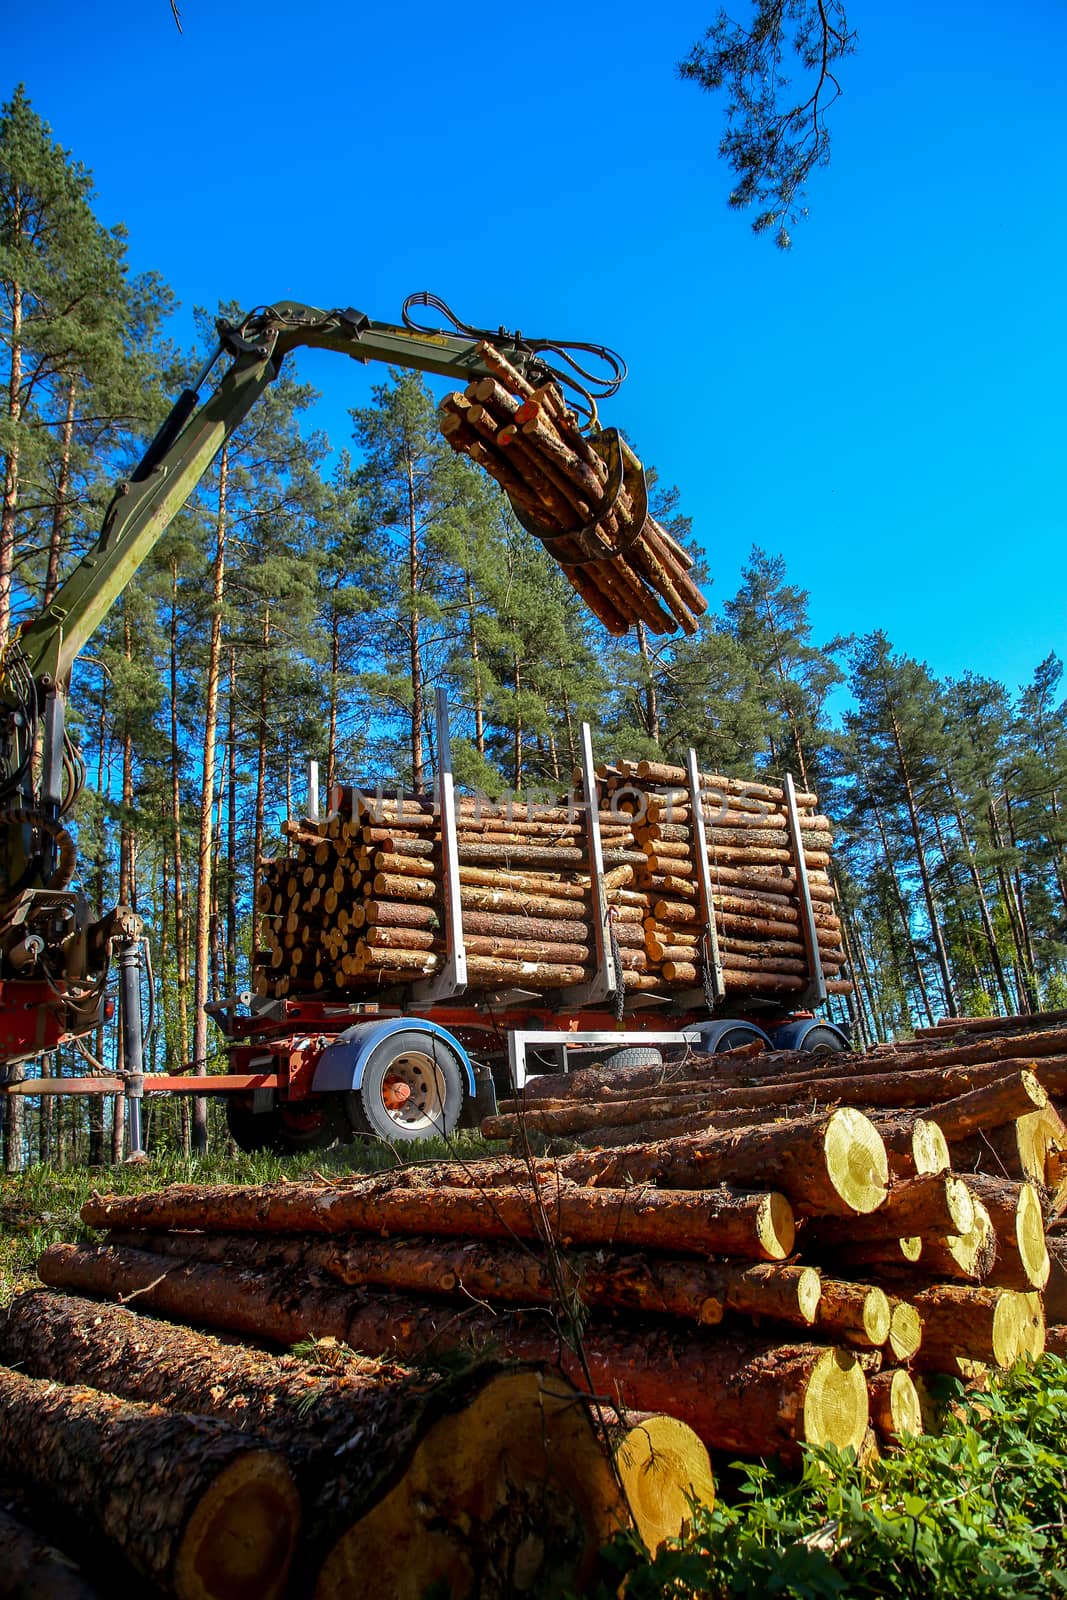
<point x="359" y="905"/>
<point x="421" y="1478"/>
<point x="966" y="1243"/>
<point x="624" y="564"/>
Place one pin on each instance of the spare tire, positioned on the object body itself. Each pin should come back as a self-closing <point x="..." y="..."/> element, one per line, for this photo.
<point x="635" y="1055"/>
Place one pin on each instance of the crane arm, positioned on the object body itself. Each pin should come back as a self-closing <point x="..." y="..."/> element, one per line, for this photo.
<point x="143" y="505"/>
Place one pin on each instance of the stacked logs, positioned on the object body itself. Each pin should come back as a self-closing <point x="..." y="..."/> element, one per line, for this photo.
<point x="624" y="564"/>
<point x="205" y="1468"/>
<point x="971" y="1229"/>
<point x="360" y="903"/>
<point x="753" y="873"/>
<point x="680" y="1254"/>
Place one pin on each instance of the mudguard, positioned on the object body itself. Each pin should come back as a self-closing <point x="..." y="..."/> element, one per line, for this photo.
<point x="791" y="1035"/>
<point x="342" y="1063"/>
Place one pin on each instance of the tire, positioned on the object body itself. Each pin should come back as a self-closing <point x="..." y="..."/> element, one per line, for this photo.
<point x="249" y="1130"/>
<point x="285" y="1129"/>
<point x="824" y="1042"/>
<point x="313" y="1124"/>
<point x="430" y="1069"/>
<point x="637" y="1055"/>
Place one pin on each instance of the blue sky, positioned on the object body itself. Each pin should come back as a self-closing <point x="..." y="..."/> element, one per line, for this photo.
<point x="883" y="405"/>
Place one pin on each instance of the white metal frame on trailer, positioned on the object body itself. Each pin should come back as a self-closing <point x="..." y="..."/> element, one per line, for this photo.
<point x="522" y="1039"/>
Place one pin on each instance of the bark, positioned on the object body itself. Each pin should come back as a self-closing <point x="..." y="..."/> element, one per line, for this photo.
<point x="190" y="1502"/>
<point x="757" y="1227"/>
<point x="202" y="944"/>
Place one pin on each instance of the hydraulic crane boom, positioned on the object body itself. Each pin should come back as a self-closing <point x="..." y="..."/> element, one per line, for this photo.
<point x="53" y="957"/>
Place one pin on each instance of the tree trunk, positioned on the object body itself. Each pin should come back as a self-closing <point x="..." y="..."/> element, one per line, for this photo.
<point x="61" y="508"/>
<point x="191" y="1503"/>
<point x="181" y="940"/>
<point x="905" y="920"/>
<point x="9" y="509"/>
<point x="231" y="832"/>
<point x="980" y="896"/>
<point x="932" y="912"/>
<point x="202" y="949"/>
<point x="418" y="775"/>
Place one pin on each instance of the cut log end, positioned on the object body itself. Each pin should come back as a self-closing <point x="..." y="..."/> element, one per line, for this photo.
<point x="929" y="1147"/>
<point x="905" y="1330"/>
<point x="241" y="1536"/>
<point x="856" y="1160"/>
<point x="896" y="1409"/>
<point x="1030" y="1237"/>
<point x="836" y="1408"/>
<point x="664" y="1467"/>
<point x="775" y="1225"/>
<point x="523" y="1464"/>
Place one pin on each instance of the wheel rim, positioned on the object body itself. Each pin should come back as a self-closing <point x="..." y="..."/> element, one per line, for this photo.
<point x="413" y="1091"/>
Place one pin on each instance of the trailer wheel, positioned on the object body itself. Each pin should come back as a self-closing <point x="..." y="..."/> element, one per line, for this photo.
<point x="413" y="1087"/>
<point x="249" y="1130"/>
<point x="286" y="1129"/>
<point x="824" y="1042"/>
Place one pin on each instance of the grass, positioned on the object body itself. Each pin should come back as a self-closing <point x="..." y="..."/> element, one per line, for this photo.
<point x="41" y="1206"/>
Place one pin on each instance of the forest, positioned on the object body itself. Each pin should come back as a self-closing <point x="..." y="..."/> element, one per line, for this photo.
<point x="310" y="598"/>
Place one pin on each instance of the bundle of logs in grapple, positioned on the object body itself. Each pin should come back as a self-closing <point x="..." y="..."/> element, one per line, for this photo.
<point x="361" y="904"/>
<point x="624" y="564"/>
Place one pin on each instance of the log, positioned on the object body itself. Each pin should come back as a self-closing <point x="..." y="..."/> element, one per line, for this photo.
<point x="191" y="1503"/>
<point x="978" y="1324"/>
<point x="757" y="1227"/>
<point x="856" y="1312"/>
<point x="991" y="1106"/>
<point x="967" y="1256"/>
<point x="743" y="1394"/>
<point x="1022" y="1259"/>
<point x="1020" y="1149"/>
<point x="664" y="1468"/>
<point x="913" y="1145"/>
<point x="896" y="1410"/>
<point x="905" y="1330"/>
<point x="929" y="1206"/>
<point x="827" y="1165"/>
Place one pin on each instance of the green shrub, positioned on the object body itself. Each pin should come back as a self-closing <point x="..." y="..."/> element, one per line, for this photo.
<point x="976" y="1511"/>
